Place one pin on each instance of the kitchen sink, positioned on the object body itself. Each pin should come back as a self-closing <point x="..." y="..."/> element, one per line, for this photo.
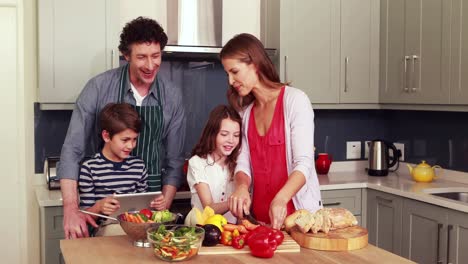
<point x="457" y="196"/>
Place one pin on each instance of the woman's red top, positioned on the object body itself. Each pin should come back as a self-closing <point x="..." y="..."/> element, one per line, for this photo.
<point x="268" y="156"/>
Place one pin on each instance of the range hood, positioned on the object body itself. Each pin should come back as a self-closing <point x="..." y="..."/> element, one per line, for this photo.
<point x="195" y="28"/>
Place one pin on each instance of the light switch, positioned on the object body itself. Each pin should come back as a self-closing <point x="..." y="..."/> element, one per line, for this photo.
<point x="353" y="150"/>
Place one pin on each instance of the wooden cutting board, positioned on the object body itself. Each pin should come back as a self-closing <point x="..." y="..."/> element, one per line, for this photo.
<point x="288" y="245"/>
<point x="344" y="239"/>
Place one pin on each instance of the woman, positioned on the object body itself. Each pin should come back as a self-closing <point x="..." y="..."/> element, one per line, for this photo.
<point x="277" y="159"/>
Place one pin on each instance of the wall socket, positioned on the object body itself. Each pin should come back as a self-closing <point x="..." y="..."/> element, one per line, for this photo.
<point x="353" y="149"/>
<point x="401" y="147"/>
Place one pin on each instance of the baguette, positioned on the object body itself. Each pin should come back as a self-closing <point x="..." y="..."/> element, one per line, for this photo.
<point x="290" y="220"/>
<point x="318" y="221"/>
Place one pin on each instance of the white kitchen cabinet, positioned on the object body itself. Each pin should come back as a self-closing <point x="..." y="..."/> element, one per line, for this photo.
<point x="51" y="233"/>
<point x="329" y="49"/>
<point x="459" y="55"/>
<point x="415" y="51"/>
<point x="74" y="46"/>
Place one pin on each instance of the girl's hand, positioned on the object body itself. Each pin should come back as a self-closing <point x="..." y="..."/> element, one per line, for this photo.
<point x="278" y="212"/>
<point x="158" y="203"/>
<point x="239" y="202"/>
<point x="108" y="205"/>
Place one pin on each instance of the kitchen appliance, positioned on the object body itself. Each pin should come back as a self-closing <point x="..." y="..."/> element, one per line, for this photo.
<point x="50" y="172"/>
<point x="379" y="158"/>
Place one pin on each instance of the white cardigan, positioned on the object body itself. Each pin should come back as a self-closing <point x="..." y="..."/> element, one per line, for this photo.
<point x="299" y="126"/>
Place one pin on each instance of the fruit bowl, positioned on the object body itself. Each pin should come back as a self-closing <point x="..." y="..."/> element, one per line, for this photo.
<point x="175" y="242"/>
<point x="137" y="231"/>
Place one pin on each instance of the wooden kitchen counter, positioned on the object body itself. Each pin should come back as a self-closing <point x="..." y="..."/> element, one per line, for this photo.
<point x="119" y="249"/>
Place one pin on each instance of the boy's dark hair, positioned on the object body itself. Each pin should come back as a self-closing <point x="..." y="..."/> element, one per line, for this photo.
<point x="116" y="117"/>
<point x="141" y="30"/>
<point x="207" y="142"/>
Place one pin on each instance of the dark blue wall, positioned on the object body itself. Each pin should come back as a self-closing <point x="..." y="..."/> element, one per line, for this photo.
<point x="438" y="137"/>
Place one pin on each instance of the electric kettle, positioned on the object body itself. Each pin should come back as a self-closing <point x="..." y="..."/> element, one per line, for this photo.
<point x="379" y="158"/>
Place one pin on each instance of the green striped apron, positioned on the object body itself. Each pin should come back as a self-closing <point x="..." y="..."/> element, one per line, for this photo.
<point x="150" y="138"/>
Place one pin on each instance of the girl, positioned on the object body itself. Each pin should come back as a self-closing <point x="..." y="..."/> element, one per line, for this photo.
<point x="211" y="168"/>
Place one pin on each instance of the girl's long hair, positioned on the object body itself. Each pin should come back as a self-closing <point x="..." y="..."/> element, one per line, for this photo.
<point x="207" y="142"/>
<point x="248" y="49"/>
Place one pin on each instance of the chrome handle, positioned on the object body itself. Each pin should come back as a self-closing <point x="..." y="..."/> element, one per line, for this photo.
<point x="439" y="227"/>
<point x="112" y="58"/>
<point x="449" y="228"/>
<point x="384" y="199"/>
<point x="405" y="76"/>
<point x="332" y="204"/>
<point x="285" y="69"/>
<point x="413" y="76"/>
<point x="346" y="74"/>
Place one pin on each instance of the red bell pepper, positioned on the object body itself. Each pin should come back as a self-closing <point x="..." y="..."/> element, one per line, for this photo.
<point x="238" y="242"/>
<point x="263" y="241"/>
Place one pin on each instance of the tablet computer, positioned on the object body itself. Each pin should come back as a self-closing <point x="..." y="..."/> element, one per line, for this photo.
<point x="134" y="201"/>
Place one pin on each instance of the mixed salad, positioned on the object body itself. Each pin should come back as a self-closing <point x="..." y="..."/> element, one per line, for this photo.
<point x="174" y="243"/>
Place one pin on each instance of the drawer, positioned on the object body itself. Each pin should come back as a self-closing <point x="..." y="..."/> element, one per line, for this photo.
<point x="349" y="199"/>
<point x="53" y="222"/>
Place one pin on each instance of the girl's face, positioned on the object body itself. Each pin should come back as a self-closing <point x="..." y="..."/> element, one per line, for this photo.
<point x="118" y="147"/>
<point x="242" y="76"/>
<point x="227" y="138"/>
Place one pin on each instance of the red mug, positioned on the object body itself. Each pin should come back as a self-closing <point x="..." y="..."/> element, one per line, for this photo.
<point x="322" y="164"/>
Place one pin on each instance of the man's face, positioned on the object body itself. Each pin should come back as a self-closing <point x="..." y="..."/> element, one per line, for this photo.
<point x="144" y="61"/>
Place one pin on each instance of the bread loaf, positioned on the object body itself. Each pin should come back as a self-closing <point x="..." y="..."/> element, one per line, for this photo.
<point x="324" y="220"/>
<point x="290" y="220"/>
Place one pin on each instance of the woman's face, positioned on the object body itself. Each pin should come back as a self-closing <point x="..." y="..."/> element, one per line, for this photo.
<point x="242" y="76"/>
<point x="227" y="138"/>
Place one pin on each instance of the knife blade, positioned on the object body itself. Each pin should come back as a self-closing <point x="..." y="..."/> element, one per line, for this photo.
<point x="251" y="219"/>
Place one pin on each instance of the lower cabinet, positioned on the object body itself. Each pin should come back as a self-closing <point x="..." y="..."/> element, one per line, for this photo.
<point x="51" y="234"/>
<point x="433" y="234"/>
<point x="384" y="220"/>
<point x="350" y="199"/>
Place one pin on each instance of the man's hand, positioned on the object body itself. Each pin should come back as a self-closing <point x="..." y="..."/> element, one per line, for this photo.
<point x="158" y="203"/>
<point x="74" y="222"/>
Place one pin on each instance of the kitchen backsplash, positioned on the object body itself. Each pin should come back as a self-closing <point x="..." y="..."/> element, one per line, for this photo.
<point x="438" y="137"/>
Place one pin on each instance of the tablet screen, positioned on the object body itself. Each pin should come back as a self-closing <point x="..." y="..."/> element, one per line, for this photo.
<point x="134" y="201"/>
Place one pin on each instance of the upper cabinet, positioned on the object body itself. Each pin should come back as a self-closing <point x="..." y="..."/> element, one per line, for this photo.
<point x="415" y="51"/>
<point x="72" y="47"/>
<point x="459" y="56"/>
<point x="329" y="49"/>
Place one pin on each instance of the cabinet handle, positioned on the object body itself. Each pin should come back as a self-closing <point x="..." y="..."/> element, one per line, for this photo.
<point x="384" y="199"/>
<point x="346" y="74"/>
<point x="285" y="69"/>
<point x="332" y="204"/>
<point x="112" y="58"/>
<point x="439" y="227"/>
<point x="413" y="76"/>
<point x="405" y="76"/>
<point x="449" y="228"/>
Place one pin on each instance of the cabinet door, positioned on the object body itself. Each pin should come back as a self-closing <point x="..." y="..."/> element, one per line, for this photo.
<point x="424" y="237"/>
<point x="459" y="42"/>
<point x="415" y="48"/>
<point x="384" y="220"/>
<point x="310" y="47"/>
<point x="72" y="47"/>
<point x="457" y="237"/>
<point x="359" y="61"/>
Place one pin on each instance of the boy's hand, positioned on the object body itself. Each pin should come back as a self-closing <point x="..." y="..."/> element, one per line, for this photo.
<point x="158" y="203"/>
<point x="108" y="205"/>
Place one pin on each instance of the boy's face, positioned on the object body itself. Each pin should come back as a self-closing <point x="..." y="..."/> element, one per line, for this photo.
<point x="120" y="145"/>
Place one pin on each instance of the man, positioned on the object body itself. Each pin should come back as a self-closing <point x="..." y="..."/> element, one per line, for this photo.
<point x="159" y="105"/>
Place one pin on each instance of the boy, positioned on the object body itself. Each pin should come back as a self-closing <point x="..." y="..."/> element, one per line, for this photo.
<point x="113" y="170"/>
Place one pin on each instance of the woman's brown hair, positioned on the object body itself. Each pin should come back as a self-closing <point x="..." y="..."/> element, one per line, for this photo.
<point x="248" y="49"/>
<point x="207" y="142"/>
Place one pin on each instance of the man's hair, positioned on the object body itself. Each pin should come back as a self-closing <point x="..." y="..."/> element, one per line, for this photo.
<point x="141" y="30"/>
<point x="116" y="117"/>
